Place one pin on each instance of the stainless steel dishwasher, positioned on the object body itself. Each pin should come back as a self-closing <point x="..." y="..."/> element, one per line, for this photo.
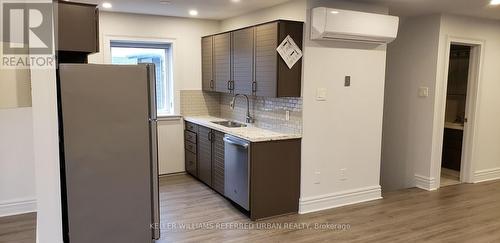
<point x="236" y="171"/>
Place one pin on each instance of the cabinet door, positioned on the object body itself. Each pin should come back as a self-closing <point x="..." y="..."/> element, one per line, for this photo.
<point x="207" y="82"/>
<point x="77" y="27"/>
<point x="190" y="163"/>
<point x="266" y="60"/>
<point x="243" y="60"/>
<point x="222" y="62"/>
<point x="218" y="162"/>
<point x="204" y="150"/>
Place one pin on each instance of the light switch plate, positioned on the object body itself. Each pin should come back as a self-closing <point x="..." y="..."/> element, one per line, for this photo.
<point x="423" y="92"/>
<point x="321" y="94"/>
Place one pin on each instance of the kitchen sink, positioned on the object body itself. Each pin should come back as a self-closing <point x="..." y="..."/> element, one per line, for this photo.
<point x="230" y="124"/>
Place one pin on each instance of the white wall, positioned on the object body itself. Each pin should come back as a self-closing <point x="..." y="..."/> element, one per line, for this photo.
<point x="170" y="142"/>
<point x="408" y="119"/>
<point x="15" y="88"/>
<point x="46" y="152"/>
<point x="17" y="166"/>
<point x="418" y="58"/>
<point x="185" y="33"/>
<point x="343" y="132"/>
<point x="293" y="10"/>
<point x="486" y="160"/>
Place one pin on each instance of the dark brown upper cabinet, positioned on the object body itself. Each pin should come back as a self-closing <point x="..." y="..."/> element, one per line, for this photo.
<point x="77" y="27"/>
<point x="222" y="62"/>
<point x="207" y="67"/>
<point x="245" y="61"/>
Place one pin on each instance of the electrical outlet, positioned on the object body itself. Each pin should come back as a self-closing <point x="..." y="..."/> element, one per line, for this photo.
<point x="317" y="177"/>
<point x="287" y="115"/>
<point x="343" y="174"/>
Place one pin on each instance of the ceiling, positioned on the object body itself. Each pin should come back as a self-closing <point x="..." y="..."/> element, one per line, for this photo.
<point x="207" y="9"/>
<point x="222" y="9"/>
<point x="407" y="8"/>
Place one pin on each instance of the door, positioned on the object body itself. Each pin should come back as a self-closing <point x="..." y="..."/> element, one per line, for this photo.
<point x="222" y="62"/>
<point x="243" y="61"/>
<point x="207" y="64"/>
<point x="107" y="134"/>
<point x="218" y="161"/>
<point x="204" y="151"/>
<point x="266" y="42"/>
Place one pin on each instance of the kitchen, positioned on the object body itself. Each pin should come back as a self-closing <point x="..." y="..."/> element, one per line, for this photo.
<point x="252" y="160"/>
<point x="241" y="132"/>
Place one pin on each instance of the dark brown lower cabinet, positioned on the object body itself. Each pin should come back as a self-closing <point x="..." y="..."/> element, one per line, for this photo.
<point x="218" y="161"/>
<point x="274" y="178"/>
<point x="452" y="149"/>
<point x="205" y="155"/>
<point x="274" y="169"/>
<point x="190" y="145"/>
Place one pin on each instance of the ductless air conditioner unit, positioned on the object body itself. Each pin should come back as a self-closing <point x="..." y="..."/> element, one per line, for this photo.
<point x="346" y="25"/>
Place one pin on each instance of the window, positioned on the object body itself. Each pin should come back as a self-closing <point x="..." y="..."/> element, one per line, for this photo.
<point x="144" y="52"/>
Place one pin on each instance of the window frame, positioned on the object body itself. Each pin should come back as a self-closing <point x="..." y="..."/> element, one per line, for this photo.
<point x="168" y="67"/>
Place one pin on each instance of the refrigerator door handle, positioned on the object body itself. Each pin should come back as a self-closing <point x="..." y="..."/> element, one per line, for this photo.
<point x="155" y="180"/>
<point x="154" y="152"/>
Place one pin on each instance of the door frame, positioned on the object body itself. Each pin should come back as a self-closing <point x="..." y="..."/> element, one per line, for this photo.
<point x="471" y="110"/>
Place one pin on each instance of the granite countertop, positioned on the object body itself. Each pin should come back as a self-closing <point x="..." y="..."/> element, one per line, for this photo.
<point x="250" y="133"/>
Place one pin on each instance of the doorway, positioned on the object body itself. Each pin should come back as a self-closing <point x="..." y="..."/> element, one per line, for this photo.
<point x="456" y="98"/>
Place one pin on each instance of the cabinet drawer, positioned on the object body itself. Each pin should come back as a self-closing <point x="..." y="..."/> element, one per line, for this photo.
<point x="191" y="127"/>
<point x="190" y="136"/>
<point x="191" y="163"/>
<point x="190" y="147"/>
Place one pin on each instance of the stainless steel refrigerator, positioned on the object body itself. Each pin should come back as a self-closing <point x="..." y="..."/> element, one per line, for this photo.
<point x="109" y="151"/>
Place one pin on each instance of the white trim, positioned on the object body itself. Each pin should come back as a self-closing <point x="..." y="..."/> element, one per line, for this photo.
<point x="487" y="175"/>
<point x="472" y="110"/>
<point x="169" y="117"/>
<point x="334" y="200"/>
<point x="426" y="183"/>
<point x="17" y="207"/>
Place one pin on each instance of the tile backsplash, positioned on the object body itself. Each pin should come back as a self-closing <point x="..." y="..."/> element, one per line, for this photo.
<point x="268" y="113"/>
<point x="199" y="103"/>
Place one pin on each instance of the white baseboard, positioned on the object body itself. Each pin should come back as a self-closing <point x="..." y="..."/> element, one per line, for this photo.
<point x="334" y="200"/>
<point x="486" y="175"/>
<point x="17" y="207"/>
<point x="426" y="183"/>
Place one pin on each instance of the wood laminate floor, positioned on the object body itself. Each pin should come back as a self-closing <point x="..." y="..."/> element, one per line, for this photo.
<point x="460" y="213"/>
<point x="18" y="229"/>
<point x="449" y="177"/>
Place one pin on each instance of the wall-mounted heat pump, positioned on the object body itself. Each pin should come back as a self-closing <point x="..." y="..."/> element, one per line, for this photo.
<point x="346" y="25"/>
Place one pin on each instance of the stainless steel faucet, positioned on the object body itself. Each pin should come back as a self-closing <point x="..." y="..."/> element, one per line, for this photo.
<point x="249" y="119"/>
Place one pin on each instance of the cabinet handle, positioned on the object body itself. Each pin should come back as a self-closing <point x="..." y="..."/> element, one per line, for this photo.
<point x="229" y="85"/>
<point x="211" y="84"/>
<point x="210" y="136"/>
<point x="254" y="87"/>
